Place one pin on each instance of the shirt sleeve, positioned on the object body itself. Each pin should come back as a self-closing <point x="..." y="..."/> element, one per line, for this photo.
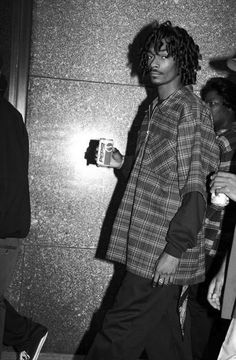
<point x="197" y="150"/>
<point x="185" y="225"/>
<point x="227" y="144"/>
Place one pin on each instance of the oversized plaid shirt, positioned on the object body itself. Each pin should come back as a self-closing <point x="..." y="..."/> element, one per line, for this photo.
<point x="176" y="151"/>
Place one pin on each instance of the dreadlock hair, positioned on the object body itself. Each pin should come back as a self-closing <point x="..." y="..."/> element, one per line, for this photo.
<point x="180" y="45"/>
<point x="224" y="88"/>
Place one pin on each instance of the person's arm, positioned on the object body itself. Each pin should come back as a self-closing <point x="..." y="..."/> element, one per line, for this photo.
<point x="181" y="236"/>
<point x="221" y="182"/>
<point x="186" y="224"/>
<point x="117" y="159"/>
<point x="215" y="287"/>
<point x="122" y="163"/>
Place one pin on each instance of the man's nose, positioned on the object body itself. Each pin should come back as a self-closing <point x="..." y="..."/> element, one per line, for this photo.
<point x="155" y="62"/>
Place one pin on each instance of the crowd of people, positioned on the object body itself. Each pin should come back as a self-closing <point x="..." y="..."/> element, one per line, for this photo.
<point x="167" y="233"/>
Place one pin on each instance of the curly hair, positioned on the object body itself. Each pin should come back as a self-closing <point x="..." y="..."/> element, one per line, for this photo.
<point x="180" y="45"/>
<point x="224" y="88"/>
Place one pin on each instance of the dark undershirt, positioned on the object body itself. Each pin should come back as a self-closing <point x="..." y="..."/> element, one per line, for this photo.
<point x="186" y="224"/>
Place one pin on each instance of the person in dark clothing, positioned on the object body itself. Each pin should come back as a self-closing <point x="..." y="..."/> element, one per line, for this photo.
<point x="24" y="335"/>
<point x="219" y="94"/>
<point x="158" y="233"/>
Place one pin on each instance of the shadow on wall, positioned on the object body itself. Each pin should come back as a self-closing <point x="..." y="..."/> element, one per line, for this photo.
<point x="133" y="55"/>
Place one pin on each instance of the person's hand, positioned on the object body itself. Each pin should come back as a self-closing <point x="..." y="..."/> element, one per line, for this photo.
<point x="165" y="269"/>
<point x="224" y="182"/>
<point x="214" y="291"/>
<point x="215" y="288"/>
<point x="116" y="159"/>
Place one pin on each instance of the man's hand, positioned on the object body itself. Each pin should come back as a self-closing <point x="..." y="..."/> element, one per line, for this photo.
<point x="116" y="159"/>
<point x="214" y="291"/>
<point x="223" y="182"/>
<point x="165" y="269"/>
<point x="215" y="287"/>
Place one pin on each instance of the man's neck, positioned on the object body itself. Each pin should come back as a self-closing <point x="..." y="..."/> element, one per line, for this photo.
<point x="165" y="90"/>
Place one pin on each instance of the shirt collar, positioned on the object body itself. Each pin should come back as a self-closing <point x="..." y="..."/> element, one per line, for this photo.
<point x="163" y="103"/>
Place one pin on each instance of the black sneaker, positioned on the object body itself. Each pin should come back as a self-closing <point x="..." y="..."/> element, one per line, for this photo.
<point x="34" y="344"/>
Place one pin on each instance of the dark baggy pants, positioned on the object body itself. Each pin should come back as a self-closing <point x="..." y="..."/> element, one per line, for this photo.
<point x="141" y="318"/>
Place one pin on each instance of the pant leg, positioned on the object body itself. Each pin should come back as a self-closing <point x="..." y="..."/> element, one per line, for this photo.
<point x="9" y="248"/>
<point x="202" y="319"/>
<point x="159" y="339"/>
<point x="228" y="348"/>
<point x="17" y="327"/>
<point x="138" y="308"/>
<point x="203" y="316"/>
<point x="168" y="333"/>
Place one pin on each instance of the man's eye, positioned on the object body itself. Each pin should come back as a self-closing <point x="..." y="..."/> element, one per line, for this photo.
<point x="164" y="56"/>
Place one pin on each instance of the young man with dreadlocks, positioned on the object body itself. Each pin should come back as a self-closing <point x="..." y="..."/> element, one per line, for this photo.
<point x="158" y="232"/>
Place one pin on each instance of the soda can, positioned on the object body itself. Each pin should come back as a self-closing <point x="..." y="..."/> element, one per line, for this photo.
<point x="105" y="148"/>
<point x="219" y="199"/>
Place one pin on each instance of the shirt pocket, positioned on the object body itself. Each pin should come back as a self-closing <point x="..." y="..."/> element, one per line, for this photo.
<point x="160" y="156"/>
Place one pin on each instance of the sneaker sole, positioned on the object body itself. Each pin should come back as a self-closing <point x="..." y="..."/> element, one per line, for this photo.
<point x="40" y="345"/>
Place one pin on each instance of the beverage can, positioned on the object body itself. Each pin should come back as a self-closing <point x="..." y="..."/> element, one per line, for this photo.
<point x="219" y="199"/>
<point x="105" y="151"/>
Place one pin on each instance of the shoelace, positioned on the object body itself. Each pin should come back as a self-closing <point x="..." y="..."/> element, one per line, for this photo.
<point x="24" y="356"/>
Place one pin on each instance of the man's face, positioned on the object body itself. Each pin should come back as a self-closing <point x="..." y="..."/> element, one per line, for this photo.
<point x="162" y="69"/>
<point x="222" y="115"/>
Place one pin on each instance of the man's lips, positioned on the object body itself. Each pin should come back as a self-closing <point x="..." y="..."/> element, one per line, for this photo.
<point x="155" y="72"/>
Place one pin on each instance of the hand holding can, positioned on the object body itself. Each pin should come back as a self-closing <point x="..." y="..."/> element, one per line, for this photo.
<point x="104" y="154"/>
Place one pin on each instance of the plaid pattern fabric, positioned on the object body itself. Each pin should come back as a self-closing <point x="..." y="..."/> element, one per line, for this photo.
<point x="176" y="151"/>
<point x="214" y="214"/>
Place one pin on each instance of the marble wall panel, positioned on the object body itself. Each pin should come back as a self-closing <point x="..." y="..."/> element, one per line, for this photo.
<point x="61" y="289"/>
<point x="69" y="198"/>
<point x="89" y="39"/>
